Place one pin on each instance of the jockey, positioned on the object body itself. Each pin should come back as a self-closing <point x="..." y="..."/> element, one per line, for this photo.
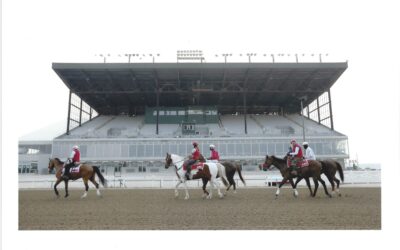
<point x="214" y="154"/>
<point x="296" y="155"/>
<point x="193" y="158"/>
<point x="309" y="152"/>
<point x="74" y="158"/>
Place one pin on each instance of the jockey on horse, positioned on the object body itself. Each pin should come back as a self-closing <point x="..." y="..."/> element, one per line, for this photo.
<point x="193" y="158"/>
<point x="295" y="156"/>
<point x="74" y="159"/>
<point x="214" y="154"/>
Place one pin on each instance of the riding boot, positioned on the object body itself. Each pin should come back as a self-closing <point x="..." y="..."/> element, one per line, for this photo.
<point x="187" y="175"/>
<point x="293" y="171"/>
<point x="66" y="173"/>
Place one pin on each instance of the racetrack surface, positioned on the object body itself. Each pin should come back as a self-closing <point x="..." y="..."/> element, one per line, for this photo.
<point x="158" y="209"/>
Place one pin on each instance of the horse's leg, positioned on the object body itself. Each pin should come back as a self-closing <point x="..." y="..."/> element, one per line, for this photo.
<point x="315" y="186"/>
<point x="176" y="187"/>
<point x="279" y="187"/>
<point x="308" y="185"/>
<point x="85" y="181"/>
<point x="295" y="193"/>
<point x="205" y="192"/>
<point x="186" y="190"/>
<point x="330" y="179"/>
<point x="55" y="187"/>
<point x="220" y="194"/>
<point x="66" y="188"/>
<point x="96" y="185"/>
<point x="323" y="184"/>
<point x="211" y="189"/>
<point x="337" y="186"/>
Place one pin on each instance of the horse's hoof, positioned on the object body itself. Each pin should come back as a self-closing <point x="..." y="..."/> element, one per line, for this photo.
<point x="66" y="195"/>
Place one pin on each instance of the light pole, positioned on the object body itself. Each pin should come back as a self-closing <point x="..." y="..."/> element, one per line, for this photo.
<point x="104" y="57"/>
<point x="250" y="55"/>
<point x="226" y="55"/>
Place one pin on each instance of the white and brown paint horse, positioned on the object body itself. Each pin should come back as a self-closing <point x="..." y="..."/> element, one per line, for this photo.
<point x="209" y="173"/>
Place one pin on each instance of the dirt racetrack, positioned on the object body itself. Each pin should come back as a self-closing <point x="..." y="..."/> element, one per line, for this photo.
<point x="150" y="209"/>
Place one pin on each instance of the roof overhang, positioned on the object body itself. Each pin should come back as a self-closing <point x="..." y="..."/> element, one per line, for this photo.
<point x="117" y="88"/>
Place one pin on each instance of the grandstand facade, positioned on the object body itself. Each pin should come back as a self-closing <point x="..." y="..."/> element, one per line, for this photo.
<point x="131" y="114"/>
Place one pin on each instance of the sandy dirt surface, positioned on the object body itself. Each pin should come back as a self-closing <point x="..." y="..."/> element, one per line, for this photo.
<point x="249" y="208"/>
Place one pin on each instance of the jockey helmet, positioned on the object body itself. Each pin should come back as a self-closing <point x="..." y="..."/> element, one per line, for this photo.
<point x="75" y="147"/>
<point x="212" y="146"/>
<point x="305" y="143"/>
<point x="194" y="144"/>
<point x="293" y="140"/>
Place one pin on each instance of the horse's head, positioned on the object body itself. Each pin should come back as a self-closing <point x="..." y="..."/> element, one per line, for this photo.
<point x="51" y="165"/>
<point x="267" y="163"/>
<point x="168" y="160"/>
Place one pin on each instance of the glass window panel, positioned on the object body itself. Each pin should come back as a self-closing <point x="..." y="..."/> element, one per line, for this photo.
<point x="231" y="149"/>
<point x="157" y="151"/>
<point x="140" y="150"/>
<point x="132" y="151"/>
<point x="149" y="150"/>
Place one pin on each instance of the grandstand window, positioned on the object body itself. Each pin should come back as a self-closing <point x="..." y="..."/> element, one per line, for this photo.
<point x="182" y="149"/>
<point x="239" y="149"/>
<point x="124" y="151"/>
<point x="83" y="150"/>
<point x="318" y="149"/>
<point x="263" y="149"/>
<point x="181" y="112"/>
<point x="140" y="150"/>
<point x="173" y="148"/>
<point x="231" y="149"/>
<point x="157" y="150"/>
<point x="327" y="148"/>
<point x="132" y="151"/>
<point x="280" y="148"/>
<point x="149" y="150"/>
<point x="247" y="149"/>
<point x="222" y="149"/>
<point x="99" y="150"/>
<point x="271" y="149"/>
<point x="165" y="149"/>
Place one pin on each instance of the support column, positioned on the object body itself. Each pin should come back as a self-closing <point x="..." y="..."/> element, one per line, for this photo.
<point x="80" y="113"/>
<point x="319" y="116"/>
<point x="245" y="112"/>
<point x="330" y="108"/>
<point x="157" y="105"/>
<point x="69" y="111"/>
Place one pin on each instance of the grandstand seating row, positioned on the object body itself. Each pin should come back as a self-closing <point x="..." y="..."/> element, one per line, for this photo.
<point x="229" y="125"/>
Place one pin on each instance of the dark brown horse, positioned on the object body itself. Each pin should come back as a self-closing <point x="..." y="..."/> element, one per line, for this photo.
<point x="230" y="170"/>
<point x="313" y="170"/>
<point x="86" y="172"/>
<point x="329" y="168"/>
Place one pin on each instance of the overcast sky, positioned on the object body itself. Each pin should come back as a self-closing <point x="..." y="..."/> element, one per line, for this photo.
<point x="365" y="98"/>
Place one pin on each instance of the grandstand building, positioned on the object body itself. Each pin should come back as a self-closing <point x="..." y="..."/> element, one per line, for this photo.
<point x="129" y="115"/>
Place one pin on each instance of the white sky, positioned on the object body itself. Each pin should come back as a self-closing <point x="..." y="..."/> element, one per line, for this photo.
<point x="365" y="98"/>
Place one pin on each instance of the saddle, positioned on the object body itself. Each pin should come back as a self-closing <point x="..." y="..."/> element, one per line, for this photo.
<point x="300" y="164"/>
<point x="197" y="165"/>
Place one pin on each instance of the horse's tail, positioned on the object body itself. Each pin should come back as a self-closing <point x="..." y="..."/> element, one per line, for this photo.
<point x="101" y="177"/>
<point x="221" y="173"/>
<point x="239" y="169"/>
<point x="340" y="169"/>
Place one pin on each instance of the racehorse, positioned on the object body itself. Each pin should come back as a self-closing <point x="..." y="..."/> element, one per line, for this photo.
<point x="208" y="173"/>
<point x="329" y="168"/>
<point x="86" y="172"/>
<point x="230" y="170"/>
<point x="313" y="170"/>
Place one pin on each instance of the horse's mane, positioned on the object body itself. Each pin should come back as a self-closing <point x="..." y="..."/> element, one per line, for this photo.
<point x="57" y="159"/>
<point x="279" y="159"/>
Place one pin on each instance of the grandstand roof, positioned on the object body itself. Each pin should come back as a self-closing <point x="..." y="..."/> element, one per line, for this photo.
<point x="127" y="88"/>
